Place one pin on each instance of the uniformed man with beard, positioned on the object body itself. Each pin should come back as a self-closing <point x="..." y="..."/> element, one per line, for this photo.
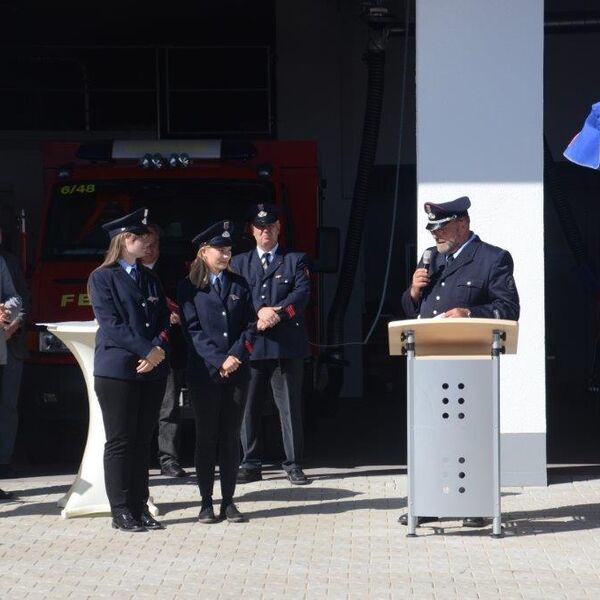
<point x="466" y="278"/>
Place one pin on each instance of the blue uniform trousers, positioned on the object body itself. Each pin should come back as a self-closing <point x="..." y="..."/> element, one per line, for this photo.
<point x="284" y="375"/>
<point x="10" y="375"/>
<point x="169" y="420"/>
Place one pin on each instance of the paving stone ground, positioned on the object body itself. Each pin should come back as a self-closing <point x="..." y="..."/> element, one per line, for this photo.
<point x="337" y="538"/>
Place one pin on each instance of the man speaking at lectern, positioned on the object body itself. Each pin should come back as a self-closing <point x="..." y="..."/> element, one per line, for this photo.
<point x="460" y="276"/>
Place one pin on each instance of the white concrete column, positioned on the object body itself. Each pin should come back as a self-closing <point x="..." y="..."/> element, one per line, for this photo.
<point x="480" y="134"/>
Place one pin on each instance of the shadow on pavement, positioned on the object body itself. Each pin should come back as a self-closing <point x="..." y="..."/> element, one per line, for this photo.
<point x="562" y="519"/>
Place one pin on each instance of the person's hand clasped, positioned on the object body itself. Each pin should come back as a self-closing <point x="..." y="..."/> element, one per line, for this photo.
<point x="5" y="316"/>
<point x="268" y="317"/>
<point x="420" y="280"/>
<point x="154" y="358"/>
<point x="230" y="365"/>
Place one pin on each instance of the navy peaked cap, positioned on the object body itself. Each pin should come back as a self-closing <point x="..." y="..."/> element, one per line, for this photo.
<point x="217" y="235"/>
<point x="584" y="148"/>
<point x="440" y="214"/>
<point x="135" y="222"/>
<point x="263" y="213"/>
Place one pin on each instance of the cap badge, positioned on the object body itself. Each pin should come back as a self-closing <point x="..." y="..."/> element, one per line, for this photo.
<point x="262" y="214"/>
<point x="432" y="216"/>
<point x="145" y="219"/>
<point x="226" y="234"/>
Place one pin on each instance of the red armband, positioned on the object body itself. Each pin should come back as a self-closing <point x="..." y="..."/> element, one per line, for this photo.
<point x="249" y="347"/>
<point x="164" y="336"/>
<point x="291" y="311"/>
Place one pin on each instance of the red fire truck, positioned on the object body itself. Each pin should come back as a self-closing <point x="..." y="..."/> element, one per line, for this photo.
<point x="186" y="185"/>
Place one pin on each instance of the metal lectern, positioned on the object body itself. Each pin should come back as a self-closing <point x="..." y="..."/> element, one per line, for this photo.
<point x="453" y="415"/>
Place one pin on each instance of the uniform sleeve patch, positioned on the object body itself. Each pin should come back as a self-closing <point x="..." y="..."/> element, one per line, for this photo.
<point x="290" y="310"/>
<point x="164" y="336"/>
<point x="249" y="347"/>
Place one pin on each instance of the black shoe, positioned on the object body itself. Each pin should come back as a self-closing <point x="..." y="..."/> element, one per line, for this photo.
<point x="297" y="476"/>
<point x="6" y="495"/>
<point x="125" y="521"/>
<point x="249" y="475"/>
<point x="207" y="516"/>
<point x="149" y="522"/>
<point x="474" y="522"/>
<point x="173" y="470"/>
<point x="232" y="514"/>
<point x="403" y="520"/>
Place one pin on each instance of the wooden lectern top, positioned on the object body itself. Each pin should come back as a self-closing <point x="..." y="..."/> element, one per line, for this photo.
<point x="452" y="337"/>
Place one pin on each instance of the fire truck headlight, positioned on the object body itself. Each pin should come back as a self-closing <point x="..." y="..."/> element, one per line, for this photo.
<point x="185" y="160"/>
<point x="158" y="162"/>
<point x="48" y="342"/>
<point x="174" y="160"/>
<point x="146" y="161"/>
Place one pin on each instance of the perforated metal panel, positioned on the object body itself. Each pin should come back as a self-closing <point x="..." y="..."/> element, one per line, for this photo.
<point x="453" y="437"/>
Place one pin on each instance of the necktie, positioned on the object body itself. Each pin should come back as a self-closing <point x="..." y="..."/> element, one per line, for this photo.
<point x="135" y="274"/>
<point x="217" y="285"/>
<point x="265" y="260"/>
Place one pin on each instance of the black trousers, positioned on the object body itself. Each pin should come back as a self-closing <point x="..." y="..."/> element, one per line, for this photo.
<point x="218" y="410"/>
<point x="129" y="411"/>
<point x="285" y="378"/>
<point x="169" y="422"/>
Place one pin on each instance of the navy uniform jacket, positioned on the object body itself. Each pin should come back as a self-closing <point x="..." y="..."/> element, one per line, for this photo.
<point x="132" y="319"/>
<point x="480" y="279"/>
<point x="286" y="283"/>
<point x="216" y="327"/>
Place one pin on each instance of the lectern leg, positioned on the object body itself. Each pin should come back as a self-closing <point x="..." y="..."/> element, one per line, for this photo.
<point x="497" y="527"/>
<point x="412" y="525"/>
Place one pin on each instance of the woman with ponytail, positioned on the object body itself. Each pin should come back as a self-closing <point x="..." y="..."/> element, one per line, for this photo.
<point x="129" y="367"/>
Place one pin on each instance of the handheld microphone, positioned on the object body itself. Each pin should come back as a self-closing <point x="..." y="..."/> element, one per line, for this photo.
<point x="427" y="260"/>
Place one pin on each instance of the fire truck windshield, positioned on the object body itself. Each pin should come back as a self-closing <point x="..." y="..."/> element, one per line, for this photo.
<point x="182" y="208"/>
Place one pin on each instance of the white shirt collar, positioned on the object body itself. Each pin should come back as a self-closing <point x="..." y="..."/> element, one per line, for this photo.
<point x="213" y="277"/>
<point x="455" y="255"/>
<point x="127" y="266"/>
<point x="271" y="251"/>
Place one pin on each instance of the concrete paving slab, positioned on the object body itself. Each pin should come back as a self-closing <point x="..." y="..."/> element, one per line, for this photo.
<point x="337" y="538"/>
